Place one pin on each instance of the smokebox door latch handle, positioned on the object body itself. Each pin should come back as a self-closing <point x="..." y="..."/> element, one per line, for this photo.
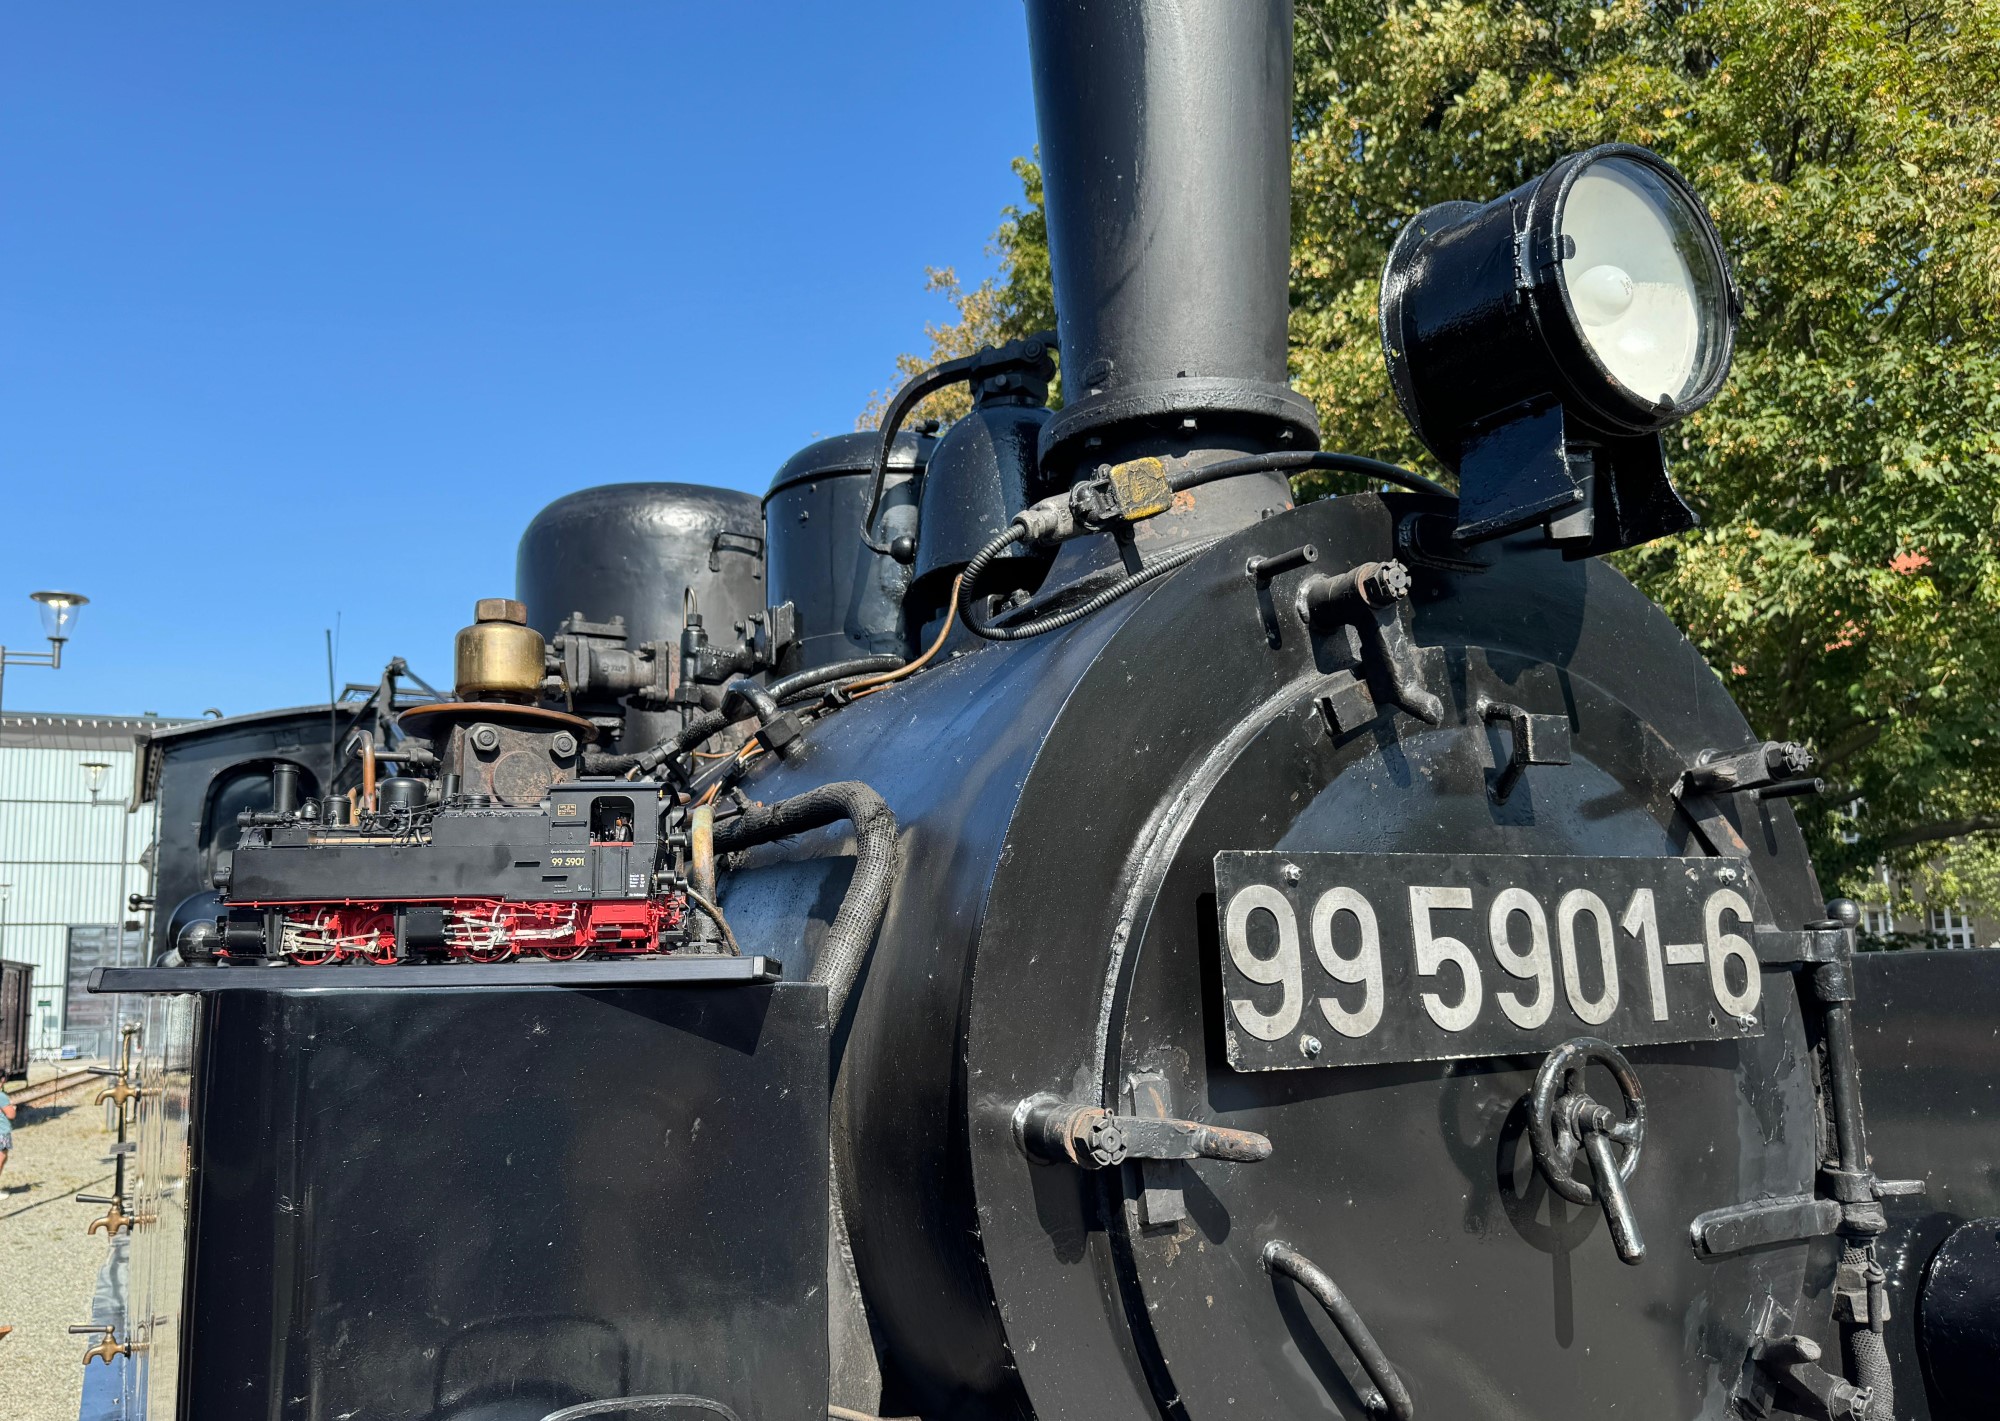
<point x="1389" y="1397"/>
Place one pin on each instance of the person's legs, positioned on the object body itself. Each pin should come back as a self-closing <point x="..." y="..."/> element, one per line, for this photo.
<point x="3" y="1153"/>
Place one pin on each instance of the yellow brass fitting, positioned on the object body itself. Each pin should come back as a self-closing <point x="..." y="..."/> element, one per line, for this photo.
<point x="115" y="1218"/>
<point x="499" y="657"/>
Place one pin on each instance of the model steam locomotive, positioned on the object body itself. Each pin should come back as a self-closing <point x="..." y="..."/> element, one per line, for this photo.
<point x="1073" y="934"/>
<point x="499" y="849"/>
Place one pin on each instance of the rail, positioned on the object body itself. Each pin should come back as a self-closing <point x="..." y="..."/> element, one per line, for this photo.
<point x="52" y="1087"/>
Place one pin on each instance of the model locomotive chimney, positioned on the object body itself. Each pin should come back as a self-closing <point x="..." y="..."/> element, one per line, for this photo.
<point x="1165" y="138"/>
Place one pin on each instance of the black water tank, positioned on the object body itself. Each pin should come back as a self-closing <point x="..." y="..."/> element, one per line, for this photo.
<point x="849" y="600"/>
<point x="631" y="550"/>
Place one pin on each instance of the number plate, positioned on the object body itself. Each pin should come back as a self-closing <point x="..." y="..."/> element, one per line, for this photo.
<point x="1354" y="959"/>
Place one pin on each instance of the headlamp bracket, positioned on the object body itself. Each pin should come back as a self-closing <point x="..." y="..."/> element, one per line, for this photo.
<point x="1594" y="493"/>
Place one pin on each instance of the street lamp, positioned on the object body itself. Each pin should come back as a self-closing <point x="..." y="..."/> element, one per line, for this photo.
<point x="59" y="612"/>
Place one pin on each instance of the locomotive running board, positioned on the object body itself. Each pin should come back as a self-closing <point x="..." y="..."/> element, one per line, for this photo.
<point x="701" y="971"/>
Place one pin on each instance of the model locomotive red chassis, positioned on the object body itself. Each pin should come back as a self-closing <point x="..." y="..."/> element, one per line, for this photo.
<point x="479" y="929"/>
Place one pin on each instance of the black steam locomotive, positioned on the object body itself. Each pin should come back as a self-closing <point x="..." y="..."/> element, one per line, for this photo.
<point x="1087" y="937"/>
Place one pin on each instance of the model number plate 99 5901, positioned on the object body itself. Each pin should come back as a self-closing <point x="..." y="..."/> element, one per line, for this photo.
<point x="1353" y="959"/>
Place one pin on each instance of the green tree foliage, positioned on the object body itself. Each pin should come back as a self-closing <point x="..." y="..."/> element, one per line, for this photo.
<point x="1845" y="581"/>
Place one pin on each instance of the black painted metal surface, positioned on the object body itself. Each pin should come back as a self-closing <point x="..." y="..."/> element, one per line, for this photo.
<point x="984" y="472"/>
<point x="631" y="550"/>
<point x="1165" y="132"/>
<point x="202" y="775"/>
<point x="493" y="1202"/>
<point x="1927" y="1030"/>
<point x="1959" y="1320"/>
<point x="1125" y="753"/>
<point x="849" y="598"/>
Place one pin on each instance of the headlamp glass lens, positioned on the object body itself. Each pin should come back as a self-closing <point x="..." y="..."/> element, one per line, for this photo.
<point x="1643" y="281"/>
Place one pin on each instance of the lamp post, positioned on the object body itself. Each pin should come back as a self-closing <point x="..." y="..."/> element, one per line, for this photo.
<point x="59" y="611"/>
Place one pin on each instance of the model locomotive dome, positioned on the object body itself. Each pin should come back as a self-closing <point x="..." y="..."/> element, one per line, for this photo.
<point x="1094" y="940"/>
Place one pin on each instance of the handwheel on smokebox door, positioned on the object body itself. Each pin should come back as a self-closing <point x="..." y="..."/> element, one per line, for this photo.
<point x="1562" y="1117"/>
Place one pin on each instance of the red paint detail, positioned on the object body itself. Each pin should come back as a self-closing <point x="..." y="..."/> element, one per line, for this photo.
<point x="483" y="929"/>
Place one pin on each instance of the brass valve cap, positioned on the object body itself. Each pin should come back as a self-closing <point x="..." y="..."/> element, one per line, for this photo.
<point x="499" y="657"/>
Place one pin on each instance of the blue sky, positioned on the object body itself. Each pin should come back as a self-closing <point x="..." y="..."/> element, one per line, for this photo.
<point x="306" y="309"/>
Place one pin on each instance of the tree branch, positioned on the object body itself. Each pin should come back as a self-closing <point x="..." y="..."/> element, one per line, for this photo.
<point x="1853" y="744"/>
<point x="1946" y="829"/>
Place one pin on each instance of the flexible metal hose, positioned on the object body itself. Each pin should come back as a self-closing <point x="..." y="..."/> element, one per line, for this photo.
<point x="764" y="703"/>
<point x="1867" y="1355"/>
<point x="1057" y="620"/>
<point x="784" y="690"/>
<point x="1291" y="461"/>
<point x="846" y="945"/>
<point x="875" y="861"/>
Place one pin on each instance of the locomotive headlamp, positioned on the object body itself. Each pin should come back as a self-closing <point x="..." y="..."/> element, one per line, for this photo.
<point x="1539" y="343"/>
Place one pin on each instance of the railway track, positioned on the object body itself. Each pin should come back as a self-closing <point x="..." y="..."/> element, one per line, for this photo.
<point x="52" y="1087"/>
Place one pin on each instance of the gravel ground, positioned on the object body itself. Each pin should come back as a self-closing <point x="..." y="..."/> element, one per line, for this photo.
<point x="48" y="1266"/>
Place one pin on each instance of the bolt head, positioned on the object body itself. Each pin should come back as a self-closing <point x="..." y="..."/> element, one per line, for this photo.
<point x="1293" y="873"/>
<point x="1309" y="1047"/>
<point x="500" y="609"/>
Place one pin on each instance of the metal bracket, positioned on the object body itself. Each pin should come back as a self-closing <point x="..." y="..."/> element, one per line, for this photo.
<point x="1779" y="1358"/>
<point x="1160" y="1181"/>
<point x="1715" y="772"/>
<point x="1538" y="740"/>
<point x="1718" y="836"/>
<point x="1346" y="704"/>
<point x="1373" y="598"/>
<point x="1722" y="772"/>
<point x="1797" y="947"/>
<point x="1427" y="540"/>
<point x="728" y="540"/>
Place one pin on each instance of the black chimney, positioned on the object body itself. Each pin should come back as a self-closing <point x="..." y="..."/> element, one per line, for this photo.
<point x="1166" y="158"/>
